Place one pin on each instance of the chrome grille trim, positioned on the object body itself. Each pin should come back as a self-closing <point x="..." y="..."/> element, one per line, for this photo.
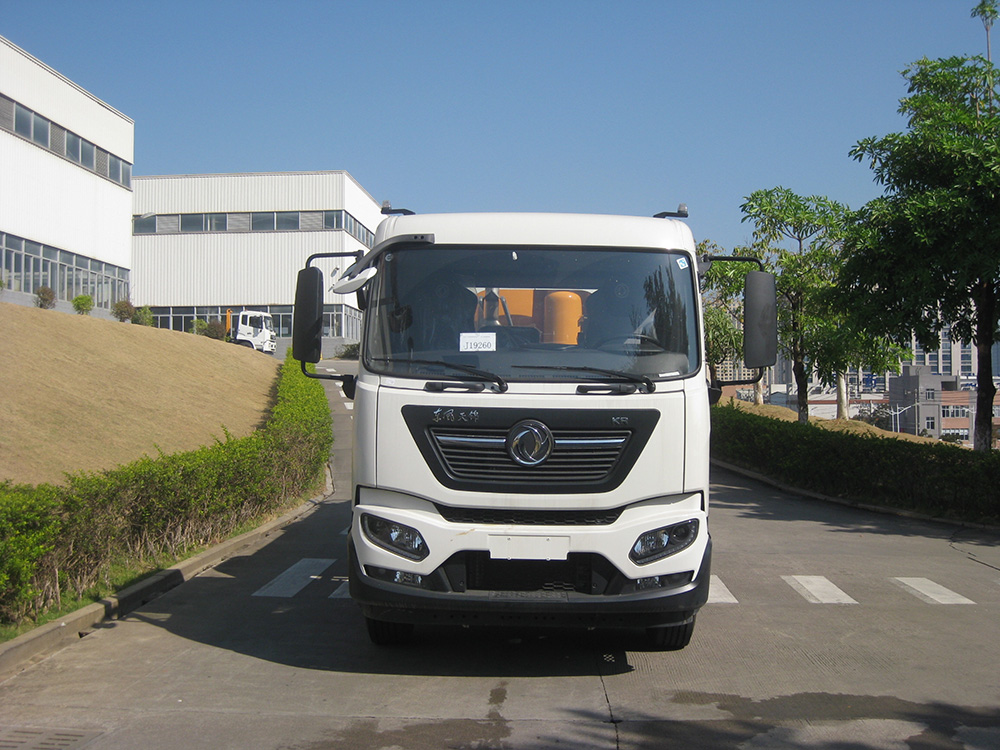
<point x="481" y="455"/>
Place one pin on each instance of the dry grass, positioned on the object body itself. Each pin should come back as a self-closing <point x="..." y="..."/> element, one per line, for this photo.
<point x="837" y="425"/>
<point x="79" y="393"/>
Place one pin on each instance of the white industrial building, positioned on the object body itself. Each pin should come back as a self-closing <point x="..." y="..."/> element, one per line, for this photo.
<point x="205" y="244"/>
<point x="65" y="187"/>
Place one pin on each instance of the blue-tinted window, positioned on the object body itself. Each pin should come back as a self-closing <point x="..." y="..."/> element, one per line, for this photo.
<point x="22" y="121"/>
<point x="73" y="146"/>
<point x="192" y="222"/>
<point x="144" y="225"/>
<point x="40" y="131"/>
<point x="262" y="221"/>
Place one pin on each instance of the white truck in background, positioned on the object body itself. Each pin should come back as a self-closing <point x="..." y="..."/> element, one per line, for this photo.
<point x="251" y="328"/>
<point x="531" y="421"/>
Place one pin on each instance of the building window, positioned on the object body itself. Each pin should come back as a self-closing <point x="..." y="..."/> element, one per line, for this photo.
<point x="144" y="225"/>
<point x="73" y="146"/>
<point x="192" y="222"/>
<point x="333" y="220"/>
<point x="259" y="221"/>
<point x="287" y="220"/>
<point x="88" y="155"/>
<point x="262" y="221"/>
<point x="40" y="131"/>
<point x="929" y="423"/>
<point x="25" y="266"/>
<point x="58" y="140"/>
<point x="22" y="121"/>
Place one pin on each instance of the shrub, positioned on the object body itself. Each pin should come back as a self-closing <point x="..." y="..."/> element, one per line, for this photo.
<point x="216" y="329"/>
<point x="45" y="298"/>
<point x="349" y="351"/>
<point x="933" y="478"/>
<point x="83" y="304"/>
<point x="68" y="538"/>
<point x="143" y="316"/>
<point x="123" y="310"/>
<point x="198" y="327"/>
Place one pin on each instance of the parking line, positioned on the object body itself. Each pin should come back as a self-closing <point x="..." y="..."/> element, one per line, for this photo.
<point x="818" y="590"/>
<point x="719" y="593"/>
<point x="343" y="591"/>
<point x="933" y="593"/>
<point x="296" y="578"/>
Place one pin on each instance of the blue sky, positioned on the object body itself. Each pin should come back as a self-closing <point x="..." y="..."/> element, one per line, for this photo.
<point x="605" y="107"/>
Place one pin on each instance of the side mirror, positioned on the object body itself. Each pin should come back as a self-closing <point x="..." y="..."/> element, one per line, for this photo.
<point x="307" y="321"/>
<point x="760" y="320"/>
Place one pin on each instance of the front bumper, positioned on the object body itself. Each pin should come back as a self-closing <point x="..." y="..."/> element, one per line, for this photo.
<point x="675" y="601"/>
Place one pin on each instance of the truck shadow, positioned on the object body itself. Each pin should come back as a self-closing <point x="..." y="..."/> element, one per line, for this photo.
<point x="315" y="630"/>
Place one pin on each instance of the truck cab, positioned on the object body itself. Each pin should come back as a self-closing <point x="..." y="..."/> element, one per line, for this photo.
<point x="531" y="424"/>
<point x="252" y="328"/>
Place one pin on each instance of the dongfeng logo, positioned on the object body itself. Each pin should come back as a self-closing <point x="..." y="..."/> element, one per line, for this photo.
<point x="529" y="442"/>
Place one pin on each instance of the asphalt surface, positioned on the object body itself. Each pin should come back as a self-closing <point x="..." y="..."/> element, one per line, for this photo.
<point x="827" y="627"/>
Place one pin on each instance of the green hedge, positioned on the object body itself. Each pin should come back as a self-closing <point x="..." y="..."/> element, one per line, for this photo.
<point x="66" y="539"/>
<point x="933" y="478"/>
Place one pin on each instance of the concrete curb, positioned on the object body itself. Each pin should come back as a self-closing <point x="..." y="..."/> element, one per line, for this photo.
<point x="31" y="647"/>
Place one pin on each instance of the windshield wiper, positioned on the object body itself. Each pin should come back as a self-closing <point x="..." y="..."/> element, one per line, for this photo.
<point x="620" y="375"/>
<point x="474" y="371"/>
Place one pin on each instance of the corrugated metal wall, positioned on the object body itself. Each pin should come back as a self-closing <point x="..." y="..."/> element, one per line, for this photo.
<point x="240" y="266"/>
<point x="257" y="268"/>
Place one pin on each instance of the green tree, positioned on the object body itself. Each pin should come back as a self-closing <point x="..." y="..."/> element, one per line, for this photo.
<point x="924" y="254"/>
<point x="722" y="286"/>
<point x="813" y="226"/>
<point x="123" y="310"/>
<point x="986" y="12"/>
<point x="143" y="316"/>
<point x="83" y="304"/>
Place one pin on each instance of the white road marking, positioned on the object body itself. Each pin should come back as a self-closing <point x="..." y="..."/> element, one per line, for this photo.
<point x="928" y="591"/>
<point x="818" y="590"/>
<point x="343" y="591"/>
<point x="296" y="578"/>
<point x="719" y="593"/>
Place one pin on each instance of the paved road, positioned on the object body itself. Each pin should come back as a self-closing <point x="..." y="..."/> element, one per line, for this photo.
<point x="828" y="627"/>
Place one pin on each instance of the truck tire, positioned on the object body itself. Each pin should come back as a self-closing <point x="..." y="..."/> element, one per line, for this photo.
<point x="383" y="633"/>
<point x="672" y="638"/>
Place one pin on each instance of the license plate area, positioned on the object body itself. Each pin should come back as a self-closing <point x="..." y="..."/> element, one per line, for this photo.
<point x="527" y="547"/>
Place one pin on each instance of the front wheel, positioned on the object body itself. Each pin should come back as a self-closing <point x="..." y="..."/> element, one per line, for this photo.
<point x="671" y="638"/>
<point x="383" y="633"/>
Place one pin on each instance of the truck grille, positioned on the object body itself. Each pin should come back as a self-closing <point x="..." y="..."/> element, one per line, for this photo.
<point x="481" y="455"/>
<point x="591" y="450"/>
<point x="528" y="517"/>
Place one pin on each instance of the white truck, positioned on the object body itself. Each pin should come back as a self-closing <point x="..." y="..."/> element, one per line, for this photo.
<point x="251" y="328"/>
<point x="531" y="421"/>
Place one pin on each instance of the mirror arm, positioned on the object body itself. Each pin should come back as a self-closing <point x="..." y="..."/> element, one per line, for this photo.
<point x="349" y="382"/>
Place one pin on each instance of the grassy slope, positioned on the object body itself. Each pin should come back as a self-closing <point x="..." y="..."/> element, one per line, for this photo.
<point x="79" y="393"/>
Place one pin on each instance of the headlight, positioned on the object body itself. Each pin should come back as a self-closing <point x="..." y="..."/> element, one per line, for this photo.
<point x="395" y="537"/>
<point x="662" y="542"/>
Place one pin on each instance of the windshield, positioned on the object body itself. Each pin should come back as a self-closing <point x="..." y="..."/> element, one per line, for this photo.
<point x="526" y="313"/>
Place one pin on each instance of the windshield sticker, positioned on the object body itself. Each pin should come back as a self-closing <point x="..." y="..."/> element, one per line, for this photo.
<point x="682" y="263"/>
<point x="483" y="341"/>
